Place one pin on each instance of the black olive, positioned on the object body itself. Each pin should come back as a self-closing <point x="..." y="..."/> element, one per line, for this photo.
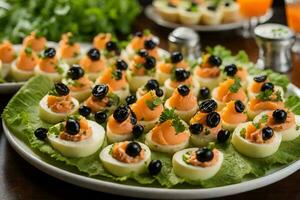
<point x="139" y="34"/>
<point x="100" y="91"/>
<point x="121" y="64"/>
<point x="61" y="89"/>
<point x="100" y="117"/>
<point x="227" y="4"/>
<point x="84" y="111"/>
<point x="154" y="167"/>
<point x="121" y="114"/>
<point x="143" y="53"/>
<point x="267" y="86"/>
<point x="208" y="106"/>
<point x="133" y="119"/>
<point x="239" y="106"/>
<point x="137" y="130"/>
<point x="72" y="127"/>
<point x="149" y="44"/>
<point x="118" y="74"/>
<point x="50" y="53"/>
<point x="213" y="119"/>
<point x="279" y="116"/>
<point x="152" y="84"/>
<point x="94" y="54"/>
<point x="212" y="8"/>
<point x="267" y="133"/>
<point x="215" y="60"/>
<point x="204" y="154"/>
<point x="41" y="133"/>
<point x="171" y="5"/>
<point x="75" y="72"/>
<point x="150" y="62"/>
<point x="204" y="93"/>
<point x="181" y="74"/>
<point x="196" y="128"/>
<point x="230" y="70"/>
<point x="133" y="149"/>
<point x="176" y="57"/>
<point x="159" y="92"/>
<point x="130" y="99"/>
<point x="111" y="46"/>
<point x="183" y="90"/>
<point x="260" y="78"/>
<point x="223" y="135"/>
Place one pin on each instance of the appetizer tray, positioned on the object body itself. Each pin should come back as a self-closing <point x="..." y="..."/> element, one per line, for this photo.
<point x="151" y="13"/>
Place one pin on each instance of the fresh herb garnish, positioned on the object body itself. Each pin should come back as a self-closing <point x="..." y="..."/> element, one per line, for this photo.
<point x="267" y="95"/>
<point x="113" y="99"/>
<point x="169" y="114"/>
<point x="243" y="133"/>
<point x="28" y="51"/>
<point x="234" y="88"/>
<point x="152" y="104"/>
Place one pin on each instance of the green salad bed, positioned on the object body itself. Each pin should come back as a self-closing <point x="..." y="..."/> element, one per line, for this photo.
<point x="21" y="116"/>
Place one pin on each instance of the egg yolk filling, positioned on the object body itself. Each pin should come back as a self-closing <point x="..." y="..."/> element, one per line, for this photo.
<point x="114" y="83"/>
<point x="230" y="115"/>
<point x="224" y="93"/>
<point x="123" y="128"/>
<point x="191" y="159"/>
<point x="7" y="53"/>
<point x="81" y="84"/>
<point x="119" y="153"/>
<point x="85" y="132"/>
<point x="289" y="122"/>
<point x="48" y="64"/>
<point x="60" y="104"/>
<point x="182" y="103"/>
<point x="26" y="61"/>
<point x="254" y="134"/>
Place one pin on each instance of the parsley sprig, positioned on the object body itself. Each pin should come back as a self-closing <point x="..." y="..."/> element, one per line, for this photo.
<point x="169" y="114"/>
<point x="234" y="88"/>
<point x="262" y="120"/>
<point x="267" y="95"/>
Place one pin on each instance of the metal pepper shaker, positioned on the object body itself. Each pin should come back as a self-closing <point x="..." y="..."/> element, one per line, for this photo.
<point x="275" y="42"/>
<point x="185" y="40"/>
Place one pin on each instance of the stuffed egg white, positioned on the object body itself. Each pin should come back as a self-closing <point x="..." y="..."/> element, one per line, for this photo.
<point x="211" y="15"/>
<point x="7" y="56"/>
<point x="231" y="11"/>
<point x="152" y="84"/>
<point x="69" y="50"/>
<point x="255" y="140"/>
<point x="168" y="10"/>
<point x="282" y="121"/>
<point x="190" y="14"/>
<point x="76" y="138"/>
<point x="35" y="41"/>
<point x="57" y="105"/>
<point x="196" y="164"/>
<point x="126" y="158"/>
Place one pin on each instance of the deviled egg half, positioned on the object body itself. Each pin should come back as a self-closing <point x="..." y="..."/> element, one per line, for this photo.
<point x="35" y="40"/>
<point x="126" y="158"/>
<point x="100" y="40"/>
<point x="184" y="102"/>
<point x="76" y="137"/>
<point x="231" y="11"/>
<point x="111" y="52"/>
<point x="169" y="135"/>
<point x="206" y="124"/>
<point x="151" y="84"/>
<point x="23" y="68"/>
<point x="168" y="10"/>
<point x="57" y="104"/>
<point x="208" y="73"/>
<point x="93" y="63"/>
<point x="190" y="14"/>
<point x="115" y="78"/>
<point x="7" y="56"/>
<point x="141" y="69"/>
<point x="256" y="140"/>
<point x="211" y="14"/>
<point x="79" y="84"/>
<point x="196" y="164"/>
<point x="69" y="49"/>
<point x="50" y="66"/>
<point x="235" y="71"/>
<point x="282" y="121"/>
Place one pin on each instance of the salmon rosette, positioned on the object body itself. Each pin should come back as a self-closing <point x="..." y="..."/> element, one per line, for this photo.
<point x="236" y="71"/>
<point x="282" y="121"/>
<point x="184" y="102"/>
<point x="181" y="76"/>
<point x="168" y="10"/>
<point x="196" y="164"/>
<point x="169" y="135"/>
<point x="268" y="98"/>
<point x="126" y="158"/>
<point x="229" y="90"/>
<point x="76" y="137"/>
<point x="79" y="84"/>
<point x="50" y="66"/>
<point x="256" y="83"/>
<point x="93" y="63"/>
<point x="101" y="39"/>
<point x="165" y="68"/>
<point x="151" y="84"/>
<point x="57" y="104"/>
<point x="7" y="56"/>
<point x="206" y="124"/>
<point x="69" y="49"/>
<point x="23" y="68"/>
<point x="115" y="78"/>
<point x="36" y="41"/>
<point x="233" y="114"/>
<point x="102" y="100"/>
<point x="148" y="109"/>
<point x="208" y="73"/>
<point x="141" y="69"/>
<point x="256" y="139"/>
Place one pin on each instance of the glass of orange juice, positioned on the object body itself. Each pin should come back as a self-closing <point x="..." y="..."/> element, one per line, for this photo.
<point x="293" y="19"/>
<point x="251" y="10"/>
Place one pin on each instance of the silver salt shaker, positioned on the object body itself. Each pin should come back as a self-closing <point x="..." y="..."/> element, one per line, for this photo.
<point x="185" y="40"/>
<point x="275" y="42"/>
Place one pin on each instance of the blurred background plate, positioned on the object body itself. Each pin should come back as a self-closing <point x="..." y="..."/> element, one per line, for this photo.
<point x="154" y="16"/>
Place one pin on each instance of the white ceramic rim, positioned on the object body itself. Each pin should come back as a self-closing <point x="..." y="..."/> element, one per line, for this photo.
<point x="152" y="15"/>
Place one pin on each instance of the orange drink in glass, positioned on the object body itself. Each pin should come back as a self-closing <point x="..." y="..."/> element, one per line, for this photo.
<point x="254" y="8"/>
<point x="293" y="19"/>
